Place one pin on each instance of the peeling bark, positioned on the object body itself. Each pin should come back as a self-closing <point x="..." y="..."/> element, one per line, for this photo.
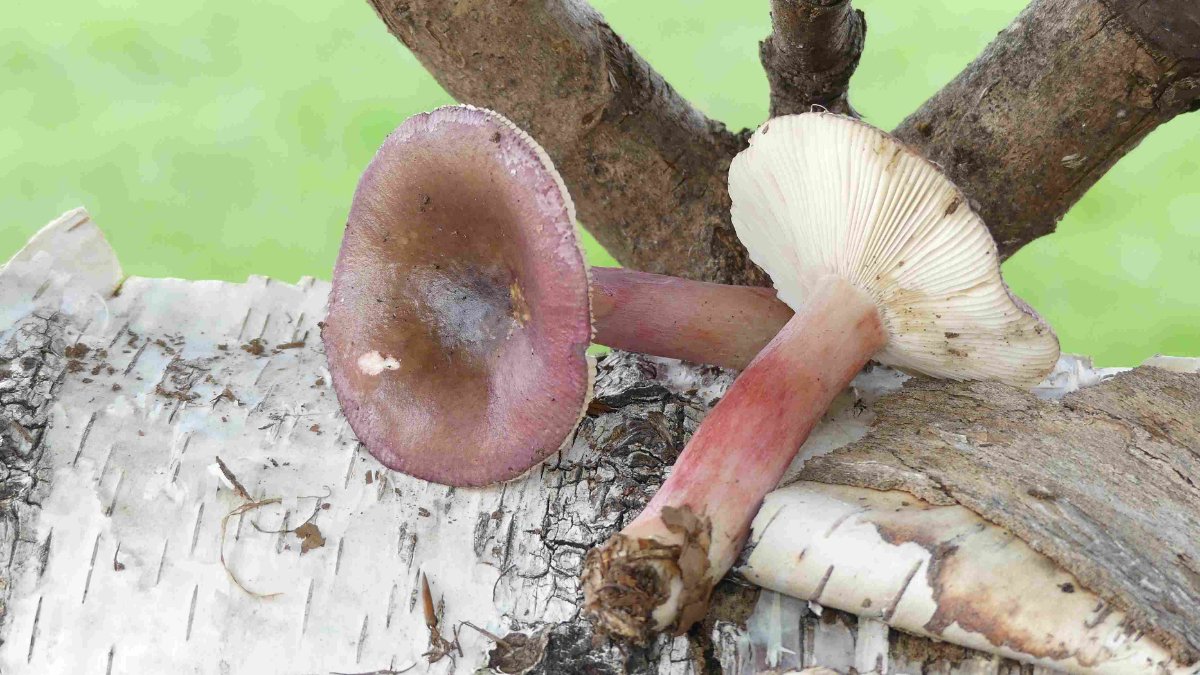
<point x="1104" y="482"/>
<point x="812" y="51"/>
<point x="1057" y="99"/>
<point x="945" y="573"/>
<point x="116" y="409"/>
<point x="32" y="366"/>
<point x="132" y="516"/>
<point x="121" y="461"/>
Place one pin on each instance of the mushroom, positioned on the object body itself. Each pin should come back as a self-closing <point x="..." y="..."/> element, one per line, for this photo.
<point x="460" y="314"/>
<point x="882" y="258"/>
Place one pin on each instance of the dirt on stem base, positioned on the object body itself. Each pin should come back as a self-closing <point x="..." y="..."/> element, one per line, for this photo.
<point x="636" y="587"/>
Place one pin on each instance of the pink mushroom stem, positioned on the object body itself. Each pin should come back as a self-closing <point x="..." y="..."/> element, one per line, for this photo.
<point x="691" y="320"/>
<point x="658" y="572"/>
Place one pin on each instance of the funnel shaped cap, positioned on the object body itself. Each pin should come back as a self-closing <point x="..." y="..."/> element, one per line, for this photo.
<point x="459" y="318"/>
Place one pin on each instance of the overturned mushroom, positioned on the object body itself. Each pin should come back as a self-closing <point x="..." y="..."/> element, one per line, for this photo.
<point x="882" y="258"/>
<point x="458" y="320"/>
<point x="460" y="314"/>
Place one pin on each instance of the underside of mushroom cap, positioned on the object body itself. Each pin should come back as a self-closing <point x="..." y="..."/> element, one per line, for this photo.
<point x="459" y="318"/>
<point x="818" y="194"/>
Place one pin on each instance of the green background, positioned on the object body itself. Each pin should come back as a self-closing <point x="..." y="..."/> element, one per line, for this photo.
<point x="221" y="139"/>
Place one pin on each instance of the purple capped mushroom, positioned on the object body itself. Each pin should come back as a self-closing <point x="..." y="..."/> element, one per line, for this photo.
<point x="461" y="309"/>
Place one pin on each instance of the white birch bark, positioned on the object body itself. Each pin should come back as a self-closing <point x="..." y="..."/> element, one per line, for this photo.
<point x="116" y="520"/>
<point x="119" y="394"/>
<point x="894" y="558"/>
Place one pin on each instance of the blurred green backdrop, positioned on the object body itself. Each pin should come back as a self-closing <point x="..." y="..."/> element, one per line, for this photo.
<point x="224" y="138"/>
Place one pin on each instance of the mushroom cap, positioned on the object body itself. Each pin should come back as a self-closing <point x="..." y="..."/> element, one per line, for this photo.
<point x="818" y="194"/>
<point x="459" y="319"/>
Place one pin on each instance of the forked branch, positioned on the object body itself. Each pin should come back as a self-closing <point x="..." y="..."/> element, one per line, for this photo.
<point x="1025" y="130"/>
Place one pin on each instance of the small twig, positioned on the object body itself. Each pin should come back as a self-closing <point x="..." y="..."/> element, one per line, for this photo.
<point x="316" y="509"/>
<point x="250" y="506"/>
<point x="225" y="395"/>
<point x="491" y="636"/>
<point x="439" y="646"/>
<point x="238" y="489"/>
<point x="427" y="602"/>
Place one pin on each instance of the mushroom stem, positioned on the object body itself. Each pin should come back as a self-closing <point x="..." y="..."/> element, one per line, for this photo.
<point x="691" y="320"/>
<point x="657" y="573"/>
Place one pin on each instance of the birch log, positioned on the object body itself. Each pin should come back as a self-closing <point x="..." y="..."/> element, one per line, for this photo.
<point x="128" y="548"/>
<point x="117" y="397"/>
<point x="122" y="556"/>
<point x="1103" y="481"/>
<point x="942" y="572"/>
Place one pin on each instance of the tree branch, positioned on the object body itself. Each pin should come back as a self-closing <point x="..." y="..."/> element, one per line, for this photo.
<point x="1025" y="130"/>
<point x="1054" y="102"/>
<point x="647" y="171"/>
<point x="811" y="53"/>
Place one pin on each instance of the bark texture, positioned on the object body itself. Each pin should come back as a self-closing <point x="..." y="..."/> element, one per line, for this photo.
<point x="942" y="572"/>
<point x="115" y="406"/>
<point x="812" y="51"/>
<point x="1059" y="96"/>
<point x="647" y="170"/>
<point x="1025" y="130"/>
<point x="1103" y="482"/>
<point x="32" y="366"/>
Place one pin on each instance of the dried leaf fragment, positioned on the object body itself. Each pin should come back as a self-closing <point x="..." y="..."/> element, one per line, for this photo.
<point x="310" y="537"/>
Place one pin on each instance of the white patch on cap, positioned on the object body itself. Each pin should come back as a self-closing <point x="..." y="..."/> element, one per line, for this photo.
<point x="374" y="363"/>
<point x="819" y="194"/>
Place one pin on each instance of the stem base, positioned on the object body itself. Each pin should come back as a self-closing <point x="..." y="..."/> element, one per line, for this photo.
<point x="638" y="586"/>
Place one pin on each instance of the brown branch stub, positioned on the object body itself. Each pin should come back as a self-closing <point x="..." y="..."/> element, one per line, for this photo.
<point x="1054" y="102"/>
<point x="647" y="171"/>
<point x="812" y="51"/>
